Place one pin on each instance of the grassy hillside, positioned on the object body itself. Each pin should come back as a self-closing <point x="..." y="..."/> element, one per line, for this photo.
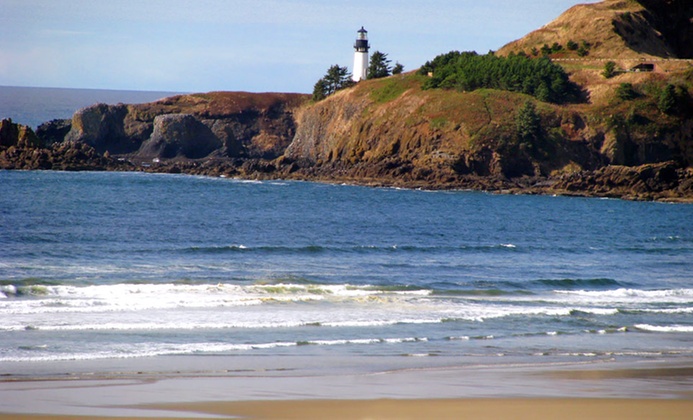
<point x="616" y="29"/>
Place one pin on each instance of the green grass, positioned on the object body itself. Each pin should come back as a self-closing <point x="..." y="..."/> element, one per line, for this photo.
<point x="391" y="88"/>
<point x="439" y="123"/>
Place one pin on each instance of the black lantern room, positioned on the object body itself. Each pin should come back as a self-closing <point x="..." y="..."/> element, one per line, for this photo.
<point x="361" y="44"/>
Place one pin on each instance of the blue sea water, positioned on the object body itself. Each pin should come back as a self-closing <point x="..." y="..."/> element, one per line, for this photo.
<point x="103" y="266"/>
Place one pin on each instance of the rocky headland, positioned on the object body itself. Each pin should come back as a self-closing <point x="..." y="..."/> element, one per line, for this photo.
<point x="396" y="132"/>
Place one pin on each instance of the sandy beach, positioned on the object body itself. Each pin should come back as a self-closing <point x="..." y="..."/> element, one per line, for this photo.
<point x="418" y="409"/>
<point x="642" y="390"/>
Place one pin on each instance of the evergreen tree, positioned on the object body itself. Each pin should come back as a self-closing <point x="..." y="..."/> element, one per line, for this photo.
<point x="545" y="50"/>
<point x="528" y="123"/>
<point x="320" y="90"/>
<point x="609" y="69"/>
<point x="667" y="100"/>
<point x="584" y="49"/>
<point x="336" y="78"/>
<point x="379" y="66"/>
<point x="398" y="68"/>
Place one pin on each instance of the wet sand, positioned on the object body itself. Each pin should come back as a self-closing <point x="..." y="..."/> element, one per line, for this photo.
<point x="519" y="409"/>
<point x="645" y="390"/>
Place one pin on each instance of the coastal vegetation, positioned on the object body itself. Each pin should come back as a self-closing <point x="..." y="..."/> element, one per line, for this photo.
<point x="609" y="70"/>
<point x="379" y="66"/>
<point x="336" y="78"/>
<point x="467" y="71"/>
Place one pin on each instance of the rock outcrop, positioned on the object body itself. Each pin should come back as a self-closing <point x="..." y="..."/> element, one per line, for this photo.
<point x="226" y="124"/>
<point x="20" y="148"/>
<point x="179" y="135"/>
<point x="17" y="135"/>
<point x="101" y="127"/>
<point x="54" y="131"/>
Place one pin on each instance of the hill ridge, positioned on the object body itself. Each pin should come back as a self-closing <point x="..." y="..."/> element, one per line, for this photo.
<point x="617" y="29"/>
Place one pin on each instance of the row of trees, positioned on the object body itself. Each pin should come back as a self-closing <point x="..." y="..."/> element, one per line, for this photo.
<point x="338" y="77"/>
<point x="467" y="71"/>
<point x="582" y="49"/>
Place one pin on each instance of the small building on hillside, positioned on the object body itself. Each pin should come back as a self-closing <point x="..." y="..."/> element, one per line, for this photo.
<point x="643" y="67"/>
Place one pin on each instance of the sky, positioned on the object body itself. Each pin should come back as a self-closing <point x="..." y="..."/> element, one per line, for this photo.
<point x="241" y="45"/>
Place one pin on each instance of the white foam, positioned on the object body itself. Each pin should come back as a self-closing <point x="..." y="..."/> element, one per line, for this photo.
<point x="668" y="311"/>
<point x="665" y="328"/>
<point x="345" y="341"/>
<point x="685" y="294"/>
<point x="39" y="353"/>
<point x="140" y="297"/>
<point x="147" y="350"/>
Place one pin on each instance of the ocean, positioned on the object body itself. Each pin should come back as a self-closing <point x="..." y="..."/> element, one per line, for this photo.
<point x="320" y="278"/>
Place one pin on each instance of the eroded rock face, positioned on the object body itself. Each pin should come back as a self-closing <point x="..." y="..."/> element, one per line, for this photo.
<point x="225" y="124"/>
<point x="18" y="135"/>
<point x="101" y="127"/>
<point x="179" y="135"/>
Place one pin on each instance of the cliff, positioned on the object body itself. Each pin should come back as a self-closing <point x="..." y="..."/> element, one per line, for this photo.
<point x="391" y="132"/>
<point x="226" y="124"/>
<point x="630" y="135"/>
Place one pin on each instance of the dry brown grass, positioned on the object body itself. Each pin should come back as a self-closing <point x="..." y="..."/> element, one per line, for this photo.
<point x="594" y="24"/>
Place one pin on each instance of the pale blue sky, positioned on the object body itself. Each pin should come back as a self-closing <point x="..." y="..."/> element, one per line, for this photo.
<point x="250" y="45"/>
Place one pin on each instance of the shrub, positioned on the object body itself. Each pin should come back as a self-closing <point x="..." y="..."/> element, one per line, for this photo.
<point x="626" y="92"/>
<point x="609" y="69"/>
<point x="667" y="99"/>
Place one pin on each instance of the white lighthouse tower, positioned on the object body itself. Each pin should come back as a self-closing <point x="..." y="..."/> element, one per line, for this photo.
<point x="361" y="56"/>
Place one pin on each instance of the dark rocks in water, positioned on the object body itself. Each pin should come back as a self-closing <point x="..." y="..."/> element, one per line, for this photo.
<point x="17" y="135"/>
<point x="179" y="135"/>
<point x="75" y="156"/>
<point x="53" y="131"/>
<point x="21" y="148"/>
<point x="666" y="180"/>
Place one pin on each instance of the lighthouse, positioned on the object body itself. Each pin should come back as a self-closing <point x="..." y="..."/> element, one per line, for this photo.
<point x="361" y="55"/>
